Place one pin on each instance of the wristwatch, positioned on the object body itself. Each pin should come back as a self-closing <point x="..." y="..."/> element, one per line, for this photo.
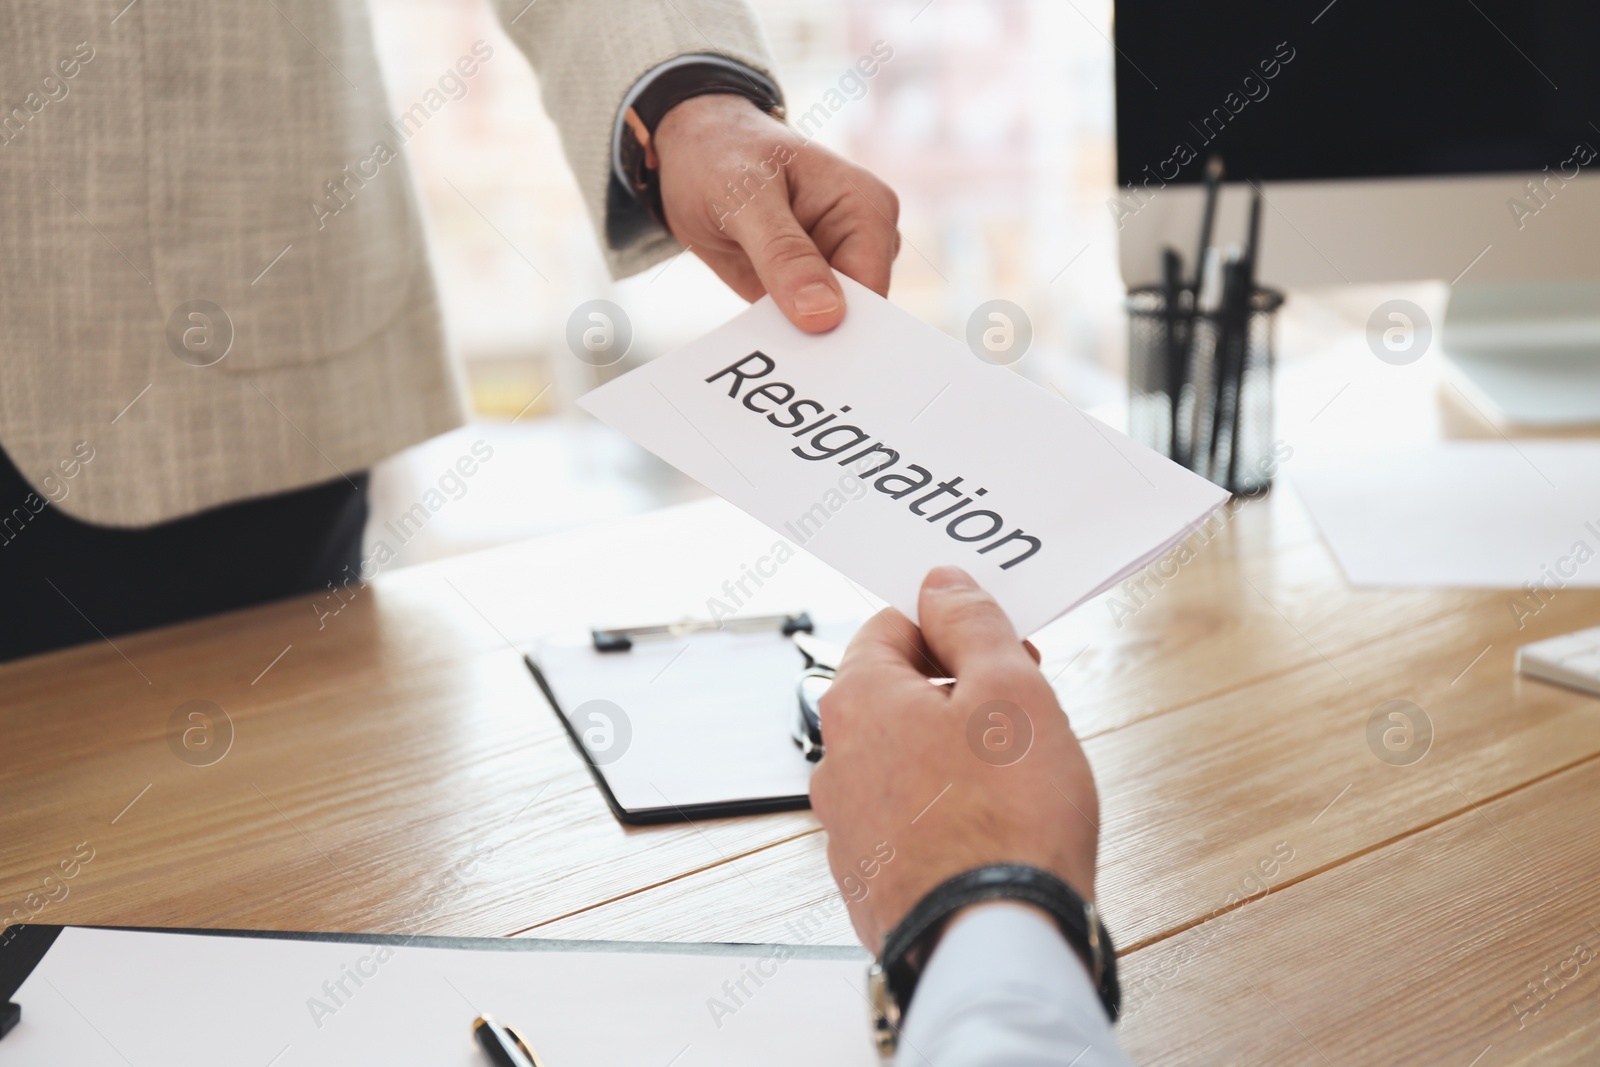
<point x="892" y="978"/>
<point x="669" y="86"/>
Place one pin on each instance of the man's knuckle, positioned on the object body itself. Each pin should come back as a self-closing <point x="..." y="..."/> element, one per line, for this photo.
<point x="877" y="198"/>
<point x="970" y="608"/>
<point x="787" y="248"/>
<point x="846" y="680"/>
<point x="891" y="204"/>
<point x="821" y="789"/>
<point x="833" y="709"/>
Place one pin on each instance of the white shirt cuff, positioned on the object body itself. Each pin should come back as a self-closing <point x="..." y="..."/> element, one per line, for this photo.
<point x="1003" y="989"/>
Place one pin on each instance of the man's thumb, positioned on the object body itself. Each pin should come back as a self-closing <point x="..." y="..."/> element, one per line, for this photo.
<point x="964" y="626"/>
<point x="794" y="272"/>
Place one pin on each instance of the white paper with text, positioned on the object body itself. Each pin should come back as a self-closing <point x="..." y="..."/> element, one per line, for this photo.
<point x="886" y="448"/>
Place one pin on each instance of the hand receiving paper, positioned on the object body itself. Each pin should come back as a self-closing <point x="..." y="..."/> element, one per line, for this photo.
<point x="771" y="213"/>
<point x="945" y="779"/>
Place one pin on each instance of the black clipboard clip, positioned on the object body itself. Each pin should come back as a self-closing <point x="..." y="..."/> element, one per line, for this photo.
<point x="622" y="638"/>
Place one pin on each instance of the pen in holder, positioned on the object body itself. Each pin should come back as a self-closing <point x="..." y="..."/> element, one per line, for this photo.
<point x="1200" y="382"/>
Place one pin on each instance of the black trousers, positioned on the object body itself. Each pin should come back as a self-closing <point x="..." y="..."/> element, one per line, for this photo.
<point x="64" y="581"/>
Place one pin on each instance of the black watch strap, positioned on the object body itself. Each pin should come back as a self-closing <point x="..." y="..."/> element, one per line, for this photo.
<point x="666" y="91"/>
<point x="893" y="978"/>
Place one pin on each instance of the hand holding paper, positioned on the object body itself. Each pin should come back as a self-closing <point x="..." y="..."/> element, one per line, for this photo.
<point x="798" y="211"/>
<point x="894" y="741"/>
<point x="886" y="448"/>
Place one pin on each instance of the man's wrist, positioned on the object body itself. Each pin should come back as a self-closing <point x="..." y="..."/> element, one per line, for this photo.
<point x="718" y="105"/>
<point x="906" y="948"/>
<point x="657" y="94"/>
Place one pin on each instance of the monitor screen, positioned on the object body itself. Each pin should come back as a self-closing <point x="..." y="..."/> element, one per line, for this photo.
<point x="1355" y="88"/>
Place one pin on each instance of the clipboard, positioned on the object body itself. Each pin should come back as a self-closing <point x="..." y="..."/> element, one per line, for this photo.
<point x="182" y="997"/>
<point x="685" y="721"/>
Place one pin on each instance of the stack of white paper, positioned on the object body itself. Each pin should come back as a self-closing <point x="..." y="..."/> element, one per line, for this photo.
<point x="1465" y="514"/>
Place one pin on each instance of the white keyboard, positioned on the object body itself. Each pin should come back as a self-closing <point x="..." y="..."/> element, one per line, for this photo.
<point x="1571" y="660"/>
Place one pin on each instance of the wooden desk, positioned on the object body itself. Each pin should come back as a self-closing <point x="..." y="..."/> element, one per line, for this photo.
<point x="1280" y="894"/>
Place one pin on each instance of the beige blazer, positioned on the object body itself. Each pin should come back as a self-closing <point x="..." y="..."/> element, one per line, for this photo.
<point x="172" y="152"/>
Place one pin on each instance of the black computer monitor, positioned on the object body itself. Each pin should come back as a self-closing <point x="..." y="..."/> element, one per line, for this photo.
<point x="1357" y="88"/>
<point x="1403" y="140"/>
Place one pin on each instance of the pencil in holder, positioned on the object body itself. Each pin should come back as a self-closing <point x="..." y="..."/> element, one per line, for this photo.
<point x="1200" y="384"/>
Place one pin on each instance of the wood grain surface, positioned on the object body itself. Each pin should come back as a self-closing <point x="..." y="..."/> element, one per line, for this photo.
<point x="1279" y="892"/>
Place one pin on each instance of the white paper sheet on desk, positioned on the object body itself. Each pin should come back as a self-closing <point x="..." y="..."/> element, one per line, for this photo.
<point x="119" y="997"/>
<point x="1098" y="505"/>
<point x="1466" y="514"/>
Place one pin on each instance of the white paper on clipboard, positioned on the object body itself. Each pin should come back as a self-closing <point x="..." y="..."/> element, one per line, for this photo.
<point x="690" y="727"/>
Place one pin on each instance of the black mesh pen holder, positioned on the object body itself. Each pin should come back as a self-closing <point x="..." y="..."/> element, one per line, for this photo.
<point x="1200" y="385"/>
